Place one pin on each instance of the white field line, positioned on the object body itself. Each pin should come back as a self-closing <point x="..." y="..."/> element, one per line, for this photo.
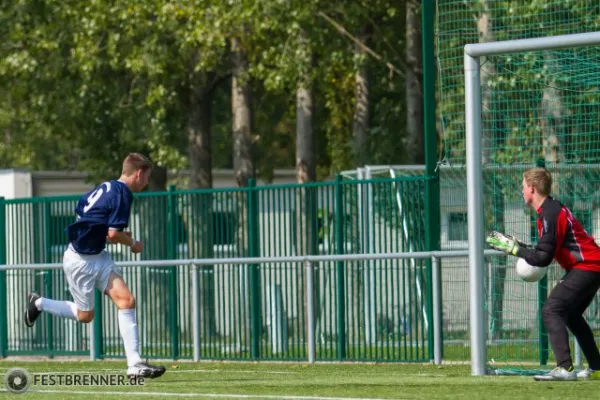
<point x="170" y="371"/>
<point x="205" y="395"/>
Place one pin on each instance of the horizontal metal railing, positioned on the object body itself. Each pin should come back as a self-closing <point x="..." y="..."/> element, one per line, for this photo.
<point x="266" y="260"/>
<point x="308" y="262"/>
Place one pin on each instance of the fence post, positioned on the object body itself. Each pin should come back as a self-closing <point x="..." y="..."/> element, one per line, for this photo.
<point x="341" y="281"/>
<point x="542" y="292"/>
<point x="96" y="345"/>
<point x="254" y="269"/>
<point x="195" y="314"/>
<point x="48" y="278"/>
<point x="310" y="310"/>
<point x="432" y="183"/>
<point x="3" y="311"/>
<point x="173" y="272"/>
<point x="369" y="275"/>
<point x="437" y="311"/>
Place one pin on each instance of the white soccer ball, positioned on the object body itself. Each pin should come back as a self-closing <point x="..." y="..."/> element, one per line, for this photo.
<point x="529" y="273"/>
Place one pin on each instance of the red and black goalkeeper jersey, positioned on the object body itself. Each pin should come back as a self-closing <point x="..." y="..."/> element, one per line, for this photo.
<point x="563" y="238"/>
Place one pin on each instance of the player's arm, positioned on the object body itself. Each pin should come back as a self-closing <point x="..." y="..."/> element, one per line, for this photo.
<point x="541" y="255"/>
<point x="118" y="221"/>
<point x="553" y="231"/>
<point x="110" y="241"/>
<point x="120" y="237"/>
<point x="115" y="236"/>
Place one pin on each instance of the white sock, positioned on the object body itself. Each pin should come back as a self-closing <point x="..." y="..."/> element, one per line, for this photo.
<point x="129" y="333"/>
<point x="64" y="309"/>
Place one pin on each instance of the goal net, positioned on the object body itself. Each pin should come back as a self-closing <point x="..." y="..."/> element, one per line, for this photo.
<point x="537" y="108"/>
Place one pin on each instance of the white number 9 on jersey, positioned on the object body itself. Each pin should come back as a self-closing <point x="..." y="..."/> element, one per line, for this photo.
<point x="95" y="196"/>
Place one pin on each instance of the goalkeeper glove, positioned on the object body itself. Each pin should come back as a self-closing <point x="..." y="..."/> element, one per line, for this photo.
<point x="506" y="243"/>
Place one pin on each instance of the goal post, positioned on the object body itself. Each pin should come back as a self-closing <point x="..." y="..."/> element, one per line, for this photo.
<point x="474" y="159"/>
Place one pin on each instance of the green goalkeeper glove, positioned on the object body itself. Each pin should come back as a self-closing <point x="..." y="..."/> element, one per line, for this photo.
<point x="505" y="243"/>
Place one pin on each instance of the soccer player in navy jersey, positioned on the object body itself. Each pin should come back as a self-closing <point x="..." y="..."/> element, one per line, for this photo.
<point x="102" y="215"/>
<point x="561" y="237"/>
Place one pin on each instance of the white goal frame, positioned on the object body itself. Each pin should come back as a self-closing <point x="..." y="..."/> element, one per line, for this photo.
<point x="476" y="234"/>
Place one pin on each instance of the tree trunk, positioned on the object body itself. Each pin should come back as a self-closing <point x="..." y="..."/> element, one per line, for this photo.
<point x="243" y="160"/>
<point x="306" y="171"/>
<point x="244" y="168"/>
<point x="552" y="124"/>
<point x="488" y="69"/>
<point x="198" y="210"/>
<point x="306" y="209"/>
<point x="361" y="124"/>
<point x="553" y="112"/>
<point x="158" y="179"/>
<point x="494" y="196"/>
<point x="414" y="142"/>
<point x="362" y="114"/>
<point x="415" y="151"/>
<point x="306" y="168"/>
<point x="199" y="138"/>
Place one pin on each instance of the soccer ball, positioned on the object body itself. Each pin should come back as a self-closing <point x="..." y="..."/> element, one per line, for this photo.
<point x="529" y="273"/>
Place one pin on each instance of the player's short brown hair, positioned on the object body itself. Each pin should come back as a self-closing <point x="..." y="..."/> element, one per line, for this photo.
<point x="540" y="179"/>
<point x="135" y="162"/>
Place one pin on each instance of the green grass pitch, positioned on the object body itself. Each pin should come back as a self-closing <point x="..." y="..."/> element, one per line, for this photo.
<point x="299" y="381"/>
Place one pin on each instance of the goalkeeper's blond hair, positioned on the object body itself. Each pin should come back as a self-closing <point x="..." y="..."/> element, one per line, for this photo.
<point x="540" y="179"/>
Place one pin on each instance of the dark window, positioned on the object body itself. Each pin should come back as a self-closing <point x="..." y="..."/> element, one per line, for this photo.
<point x="224" y="225"/>
<point x="457" y="226"/>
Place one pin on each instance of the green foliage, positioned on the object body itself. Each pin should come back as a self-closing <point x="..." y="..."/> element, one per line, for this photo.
<point x="86" y="83"/>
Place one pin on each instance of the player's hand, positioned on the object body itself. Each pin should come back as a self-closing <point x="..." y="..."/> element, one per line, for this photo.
<point x="109" y="240"/>
<point x="137" y="247"/>
<point x="506" y="243"/>
<point x="127" y="233"/>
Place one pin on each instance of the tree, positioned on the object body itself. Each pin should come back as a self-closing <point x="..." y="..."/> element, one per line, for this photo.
<point x="199" y="130"/>
<point x="362" y="110"/>
<point x="244" y="170"/>
<point x="243" y="157"/>
<point x="495" y="197"/>
<point x="552" y="115"/>
<point x="414" y="83"/>
<point x="305" y="138"/>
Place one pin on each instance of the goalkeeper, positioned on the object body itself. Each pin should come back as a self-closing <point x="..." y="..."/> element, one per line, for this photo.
<point x="561" y="237"/>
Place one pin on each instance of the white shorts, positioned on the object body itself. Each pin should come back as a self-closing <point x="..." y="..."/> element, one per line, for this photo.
<point x="86" y="272"/>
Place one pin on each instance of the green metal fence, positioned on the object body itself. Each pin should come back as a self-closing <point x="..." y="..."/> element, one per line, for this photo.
<point x="371" y="310"/>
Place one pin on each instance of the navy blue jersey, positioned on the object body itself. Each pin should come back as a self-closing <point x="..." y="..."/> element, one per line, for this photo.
<point x="106" y="207"/>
